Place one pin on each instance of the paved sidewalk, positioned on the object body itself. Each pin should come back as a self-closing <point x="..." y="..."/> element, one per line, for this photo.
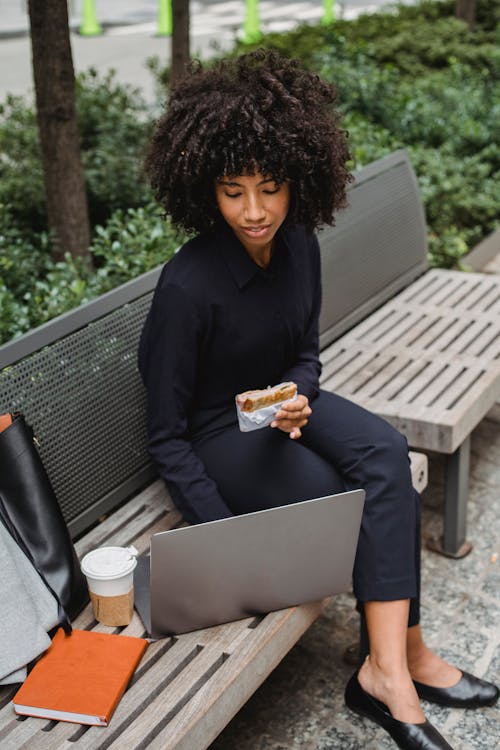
<point x="116" y="13"/>
<point x="129" y="37"/>
<point x="300" y="706"/>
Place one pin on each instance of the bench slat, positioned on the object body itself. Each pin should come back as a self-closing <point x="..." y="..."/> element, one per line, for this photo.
<point x="223" y="696"/>
<point x="334" y="359"/>
<point x="154" y="498"/>
<point x="420" y="288"/>
<point x="163" y="701"/>
<point x="441" y="331"/>
<point x="428" y="360"/>
<point x="442" y="376"/>
<point x="454" y="391"/>
<point x="342" y="378"/>
<point x="393" y="373"/>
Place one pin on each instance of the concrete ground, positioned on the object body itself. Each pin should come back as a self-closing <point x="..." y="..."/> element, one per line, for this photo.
<point x="301" y="704"/>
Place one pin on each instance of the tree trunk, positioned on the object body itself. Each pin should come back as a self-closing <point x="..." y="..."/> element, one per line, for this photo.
<point x="54" y="77"/>
<point x="180" y="38"/>
<point x="466" y="11"/>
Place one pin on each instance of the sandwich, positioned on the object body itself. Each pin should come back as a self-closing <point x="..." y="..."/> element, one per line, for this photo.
<point x="252" y="400"/>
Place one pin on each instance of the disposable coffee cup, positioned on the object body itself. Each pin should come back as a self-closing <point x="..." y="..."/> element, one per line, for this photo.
<point x="110" y="577"/>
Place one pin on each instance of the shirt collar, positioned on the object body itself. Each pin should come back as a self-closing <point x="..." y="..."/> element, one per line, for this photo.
<point x="242" y="268"/>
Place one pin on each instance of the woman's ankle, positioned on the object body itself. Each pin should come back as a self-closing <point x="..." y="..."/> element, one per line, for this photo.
<point x="387" y="666"/>
<point x="390" y="682"/>
<point x="429" y="668"/>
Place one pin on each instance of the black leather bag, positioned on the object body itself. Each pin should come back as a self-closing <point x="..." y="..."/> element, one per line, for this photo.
<point x="31" y="513"/>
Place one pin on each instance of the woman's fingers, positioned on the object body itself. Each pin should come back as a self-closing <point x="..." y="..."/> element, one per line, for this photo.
<point x="301" y="402"/>
<point x="292" y="416"/>
<point x="295" y="409"/>
<point x="289" y="424"/>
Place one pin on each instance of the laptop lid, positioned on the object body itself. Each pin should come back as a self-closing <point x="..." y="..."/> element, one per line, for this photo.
<point x="249" y="564"/>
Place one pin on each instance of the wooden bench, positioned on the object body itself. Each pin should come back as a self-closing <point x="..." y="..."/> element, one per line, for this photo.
<point x="186" y="688"/>
<point x="76" y="380"/>
<point x="428" y="360"/>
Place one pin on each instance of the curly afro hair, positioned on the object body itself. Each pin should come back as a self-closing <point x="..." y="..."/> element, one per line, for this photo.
<point x="258" y="112"/>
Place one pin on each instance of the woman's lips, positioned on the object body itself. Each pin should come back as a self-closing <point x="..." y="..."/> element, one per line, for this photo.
<point x="256" y="232"/>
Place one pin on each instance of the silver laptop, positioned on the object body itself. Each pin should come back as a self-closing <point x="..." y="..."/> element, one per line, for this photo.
<point x="247" y="565"/>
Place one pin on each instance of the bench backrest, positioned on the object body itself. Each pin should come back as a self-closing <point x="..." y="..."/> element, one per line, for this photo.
<point x="76" y="380"/>
<point x="378" y="246"/>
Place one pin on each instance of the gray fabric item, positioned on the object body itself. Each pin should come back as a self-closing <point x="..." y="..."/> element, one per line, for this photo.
<point x="15" y="677"/>
<point x="27" y="611"/>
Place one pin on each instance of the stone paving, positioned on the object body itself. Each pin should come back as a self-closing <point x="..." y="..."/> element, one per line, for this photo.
<point x="301" y="704"/>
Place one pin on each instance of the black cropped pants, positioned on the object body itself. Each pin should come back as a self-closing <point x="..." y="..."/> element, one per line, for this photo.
<point x="342" y="447"/>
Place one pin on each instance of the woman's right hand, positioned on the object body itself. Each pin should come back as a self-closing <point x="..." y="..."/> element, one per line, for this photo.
<point x="292" y="416"/>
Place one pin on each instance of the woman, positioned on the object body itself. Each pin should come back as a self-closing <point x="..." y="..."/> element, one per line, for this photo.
<point x="250" y="155"/>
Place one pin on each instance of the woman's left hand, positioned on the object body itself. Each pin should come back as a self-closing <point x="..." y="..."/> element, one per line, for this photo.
<point x="292" y="416"/>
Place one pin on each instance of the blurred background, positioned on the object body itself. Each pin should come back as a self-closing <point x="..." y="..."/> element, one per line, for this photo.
<point x="424" y="76"/>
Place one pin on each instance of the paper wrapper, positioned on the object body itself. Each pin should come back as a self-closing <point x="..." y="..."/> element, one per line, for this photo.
<point x="255" y="420"/>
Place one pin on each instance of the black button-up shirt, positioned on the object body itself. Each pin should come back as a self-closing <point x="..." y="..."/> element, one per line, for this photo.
<point x="219" y="325"/>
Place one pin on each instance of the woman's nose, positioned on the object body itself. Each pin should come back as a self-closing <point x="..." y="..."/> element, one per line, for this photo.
<point x="254" y="210"/>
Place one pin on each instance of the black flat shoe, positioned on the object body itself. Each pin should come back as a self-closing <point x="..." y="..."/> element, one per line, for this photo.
<point x="407" y="736"/>
<point x="469" y="692"/>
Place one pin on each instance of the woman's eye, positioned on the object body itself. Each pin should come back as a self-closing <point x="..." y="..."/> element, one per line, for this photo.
<point x="232" y="195"/>
<point x="272" y="191"/>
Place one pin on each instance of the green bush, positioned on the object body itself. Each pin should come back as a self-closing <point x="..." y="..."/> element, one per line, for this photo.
<point x="14" y="318"/>
<point x="412" y="38"/>
<point x="34" y="289"/>
<point x="24" y="256"/>
<point x="21" y="174"/>
<point x="132" y="242"/>
<point x="367" y="141"/>
<point x="457" y="193"/>
<point x="114" y="126"/>
<point x="408" y="76"/>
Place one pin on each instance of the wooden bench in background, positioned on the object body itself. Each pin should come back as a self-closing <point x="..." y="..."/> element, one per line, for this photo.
<point x="76" y="381"/>
<point x="426" y="354"/>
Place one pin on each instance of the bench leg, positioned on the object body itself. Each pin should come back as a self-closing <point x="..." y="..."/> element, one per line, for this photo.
<point x="453" y="543"/>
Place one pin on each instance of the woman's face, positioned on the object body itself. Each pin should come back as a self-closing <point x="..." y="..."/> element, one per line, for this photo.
<point x="254" y="206"/>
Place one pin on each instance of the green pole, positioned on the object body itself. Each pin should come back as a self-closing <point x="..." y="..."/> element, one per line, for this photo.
<point x="165" y="18"/>
<point x="251" y="25"/>
<point x="328" y="12"/>
<point x="89" y="26"/>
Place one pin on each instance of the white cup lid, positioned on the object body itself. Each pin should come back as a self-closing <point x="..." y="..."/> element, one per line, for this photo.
<point x="107" y="563"/>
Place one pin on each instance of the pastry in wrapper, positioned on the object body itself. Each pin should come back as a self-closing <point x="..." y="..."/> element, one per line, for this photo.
<point x="250" y="401"/>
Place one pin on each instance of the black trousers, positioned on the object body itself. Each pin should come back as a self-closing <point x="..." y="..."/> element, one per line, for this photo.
<point x="342" y="447"/>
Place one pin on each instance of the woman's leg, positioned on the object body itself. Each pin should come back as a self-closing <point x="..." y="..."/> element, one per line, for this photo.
<point x="264" y="469"/>
<point x="425" y="665"/>
<point x="371" y="454"/>
<point x="385" y="674"/>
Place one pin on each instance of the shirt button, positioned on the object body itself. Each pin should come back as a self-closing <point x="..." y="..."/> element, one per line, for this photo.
<point x="277" y="315"/>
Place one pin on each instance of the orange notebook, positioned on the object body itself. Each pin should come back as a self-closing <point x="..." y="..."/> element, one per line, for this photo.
<point x="80" y="678"/>
<point x="5" y="421"/>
